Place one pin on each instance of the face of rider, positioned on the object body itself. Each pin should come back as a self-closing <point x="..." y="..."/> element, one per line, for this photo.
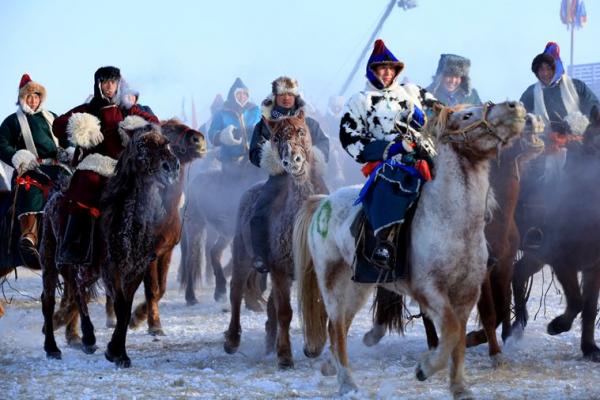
<point x="451" y="82"/>
<point x="109" y="88"/>
<point x="385" y="73"/>
<point x="285" y="100"/>
<point x="545" y="73"/>
<point x="241" y="96"/>
<point x="33" y="101"/>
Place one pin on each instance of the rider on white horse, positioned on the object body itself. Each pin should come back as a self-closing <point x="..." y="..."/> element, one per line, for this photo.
<point x="380" y="126"/>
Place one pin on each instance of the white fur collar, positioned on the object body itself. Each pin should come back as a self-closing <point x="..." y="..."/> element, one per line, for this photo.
<point x="98" y="163"/>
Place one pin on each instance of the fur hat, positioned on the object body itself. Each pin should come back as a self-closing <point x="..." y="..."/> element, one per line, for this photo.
<point x="284" y="84"/>
<point x="105" y="74"/>
<point x="453" y="65"/>
<point x="27" y="86"/>
<point x="381" y="55"/>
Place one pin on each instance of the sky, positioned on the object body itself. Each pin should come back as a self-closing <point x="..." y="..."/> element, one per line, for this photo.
<point x="171" y="50"/>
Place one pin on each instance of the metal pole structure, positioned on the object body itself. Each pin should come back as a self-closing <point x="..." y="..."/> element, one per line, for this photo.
<point x="385" y="15"/>
<point x="572" y="42"/>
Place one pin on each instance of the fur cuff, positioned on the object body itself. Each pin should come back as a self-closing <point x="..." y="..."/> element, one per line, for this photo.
<point x="98" y="163"/>
<point x="24" y="160"/>
<point x="130" y="123"/>
<point x="269" y="159"/>
<point x="577" y="122"/>
<point x="84" y="130"/>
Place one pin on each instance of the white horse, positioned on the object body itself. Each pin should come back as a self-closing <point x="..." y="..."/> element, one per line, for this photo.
<point x="447" y="253"/>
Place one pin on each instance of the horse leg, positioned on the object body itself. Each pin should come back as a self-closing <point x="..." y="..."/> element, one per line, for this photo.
<point x="450" y="330"/>
<point x="282" y="284"/>
<point x="141" y="311"/>
<point x="240" y="274"/>
<point x="430" y="332"/>
<point x="216" y="253"/>
<point x="67" y="315"/>
<point x="523" y="270"/>
<point x="457" y="365"/>
<point x="384" y="308"/>
<point x="154" y="325"/>
<point x="193" y="257"/>
<point x="253" y="292"/>
<point x="111" y="318"/>
<point x="591" y="286"/>
<point x="50" y="280"/>
<point x="88" y="341"/>
<point x="271" y="325"/>
<point x="567" y="276"/>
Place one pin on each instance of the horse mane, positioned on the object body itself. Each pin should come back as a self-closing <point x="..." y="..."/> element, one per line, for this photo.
<point x="440" y="121"/>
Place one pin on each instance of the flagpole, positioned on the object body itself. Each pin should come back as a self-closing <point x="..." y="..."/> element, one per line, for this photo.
<point x="572" y="43"/>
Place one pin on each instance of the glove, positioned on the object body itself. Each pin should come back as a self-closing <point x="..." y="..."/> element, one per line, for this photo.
<point x="66" y="155"/>
<point x="401" y="147"/>
<point x="24" y="160"/>
<point x="226" y="137"/>
<point x="84" y="130"/>
<point x="416" y="119"/>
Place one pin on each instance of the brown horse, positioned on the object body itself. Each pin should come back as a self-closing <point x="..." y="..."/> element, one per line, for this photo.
<point x="188" y="145"/>
<point x="569" y="243"/>
<point x="289" y="151"/>
<point x="502" y="236"/>
<point x="124" y="235"/>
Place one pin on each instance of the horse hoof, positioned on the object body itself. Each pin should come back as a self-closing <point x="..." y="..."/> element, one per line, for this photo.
<point x="498" y="361"/>
<point x="156" y="332"/>
<point x="592" y="355"/>
<point x="54" y="355"/>
<point x="255" y="306"/>
<point x="191" y="302"/>
<point x="420" y="374"/>
<point x="119" y="361"/>
<point x="347" y="388"/>
<point x="219" y="295"/>
<point x="285" y="364"/>
<point x="89" y="349"/>
<point x="558" y="325"/>
<point x="312" y="353"/>
<point x="372" y="337"/>
<point x="328" y="369"/>
<point x="74" y="342"/>
<point x="462" y="394"/>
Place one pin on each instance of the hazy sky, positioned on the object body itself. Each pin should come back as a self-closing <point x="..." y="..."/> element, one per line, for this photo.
<point x="171" y="49"/>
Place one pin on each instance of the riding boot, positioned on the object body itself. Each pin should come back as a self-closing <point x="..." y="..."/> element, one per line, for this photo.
<point x="384" y="251"/>
<point x="76" y="246"/>
<point x="28" y="241"/>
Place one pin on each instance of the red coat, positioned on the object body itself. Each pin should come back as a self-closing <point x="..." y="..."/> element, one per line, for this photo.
<point x="109" y="117"/>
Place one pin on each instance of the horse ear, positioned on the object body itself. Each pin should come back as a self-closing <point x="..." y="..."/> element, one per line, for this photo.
<point x="300" y="115"/>
<point x="437" y="108"/>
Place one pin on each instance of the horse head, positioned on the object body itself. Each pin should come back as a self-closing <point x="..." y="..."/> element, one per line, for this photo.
<point x="479" y="132"/>
<point x="148" y="157"/>
<point x="187" y="144"/>
<point x="292" y="143"/>
<point x="530" y="145"/>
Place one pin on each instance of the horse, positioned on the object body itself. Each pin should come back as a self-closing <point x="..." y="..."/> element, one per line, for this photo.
<point x="502" y="236"/>
<point x="188" y="145"/>
<point x="569" y="245"/>
<point x="447" y="248"/>
<point x="211" y="200"/>
<point x="123" y="235"/>
<point x="288" y="151"/>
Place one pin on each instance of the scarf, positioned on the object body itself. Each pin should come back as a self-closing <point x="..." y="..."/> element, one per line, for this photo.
<point x="568" y="94"/>
<point x="26" y="129"/>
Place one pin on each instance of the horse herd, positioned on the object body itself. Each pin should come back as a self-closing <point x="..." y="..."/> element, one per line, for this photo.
<point x="464" y="214"/>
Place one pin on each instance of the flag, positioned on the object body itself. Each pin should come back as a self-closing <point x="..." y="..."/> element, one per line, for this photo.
<point x="194" y="120"/>
<point x="572" y="12"/>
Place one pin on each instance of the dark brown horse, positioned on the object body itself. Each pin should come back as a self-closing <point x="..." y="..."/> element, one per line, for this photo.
<point x="188" y="145"/>
<point x="123" y="238"/>
<point x="570" y="243"/>
<point x="289" y="151"/>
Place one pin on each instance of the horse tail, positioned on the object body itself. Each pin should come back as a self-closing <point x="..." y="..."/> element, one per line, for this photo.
<point x="388" y="310"/>
<point x="310" y="302"/>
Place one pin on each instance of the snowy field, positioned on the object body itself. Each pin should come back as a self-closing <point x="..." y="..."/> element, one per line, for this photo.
<point x="189" y="362"/>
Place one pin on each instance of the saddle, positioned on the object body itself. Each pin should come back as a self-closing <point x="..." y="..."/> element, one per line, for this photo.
<point x="365" y="270"/>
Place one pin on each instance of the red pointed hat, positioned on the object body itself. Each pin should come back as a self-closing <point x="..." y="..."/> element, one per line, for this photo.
<point x="25" y="79"/>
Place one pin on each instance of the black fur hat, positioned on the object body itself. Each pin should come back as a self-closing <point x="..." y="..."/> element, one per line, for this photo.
<point x="453" y="65"/>
<point x="105" y="74"/>
<point x="541" y="59"/>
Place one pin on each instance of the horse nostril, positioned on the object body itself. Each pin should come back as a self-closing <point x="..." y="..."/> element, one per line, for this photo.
<point x="165" y="166"/>
<point x="285" y="163"/>
<point x="512" y="104"/>
<point x="195" y="140"/>
<point x="297" y="159"/>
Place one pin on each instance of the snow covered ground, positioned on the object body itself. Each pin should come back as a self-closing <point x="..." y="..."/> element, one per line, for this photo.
<point x="190" y="362"/>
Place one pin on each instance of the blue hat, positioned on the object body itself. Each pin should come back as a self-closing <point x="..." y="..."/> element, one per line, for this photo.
<point x="380" y="56"/>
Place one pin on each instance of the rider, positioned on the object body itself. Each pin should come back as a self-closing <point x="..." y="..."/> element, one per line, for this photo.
<point x="28" y="144"/>
<point x="380" y="127"/>
<point x="560" y="101"/>
<point x="94" y="128"/>
<point x="451" y="84"/>
<point x="284" y="101"/>
<point x="231" y="126"/>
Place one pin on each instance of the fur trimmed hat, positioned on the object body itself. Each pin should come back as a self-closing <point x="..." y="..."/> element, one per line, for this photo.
<point x="27" y="86"/>
<point x="105" y="74"/>
<point x="285" y="84"/>
<point x="453" y="65"/>
<point x="381" y="55"/>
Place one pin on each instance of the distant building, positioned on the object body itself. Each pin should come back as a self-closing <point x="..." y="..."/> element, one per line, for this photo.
<point x="590" y="74"/>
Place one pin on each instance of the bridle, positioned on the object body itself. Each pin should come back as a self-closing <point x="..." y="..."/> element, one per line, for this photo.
<point x="465" y="135"/>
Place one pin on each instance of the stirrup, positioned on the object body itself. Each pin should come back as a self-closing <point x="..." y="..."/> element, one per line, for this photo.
<point x="383" y="254"/>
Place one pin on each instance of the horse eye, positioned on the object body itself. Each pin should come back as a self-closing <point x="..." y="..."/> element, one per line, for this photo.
<point x="467" y="116"/>
<point x="301" y="132"/>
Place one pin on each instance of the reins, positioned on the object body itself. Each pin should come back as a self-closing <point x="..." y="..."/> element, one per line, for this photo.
<point x="463" y="135"/>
